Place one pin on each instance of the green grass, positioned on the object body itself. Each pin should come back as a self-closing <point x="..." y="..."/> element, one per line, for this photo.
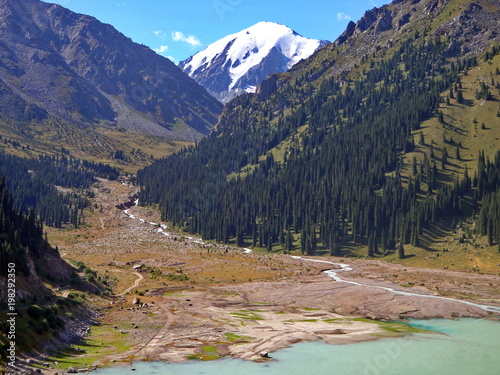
<point x="397" y="328"/>
<point x="245" y="314"/>
<point x="336" y="321"/>
<point x="101" y="343"/>
<point x="209" y="354"/>
<point x="233" y="338"/>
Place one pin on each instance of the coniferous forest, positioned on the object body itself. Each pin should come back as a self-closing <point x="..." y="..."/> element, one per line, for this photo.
<point x="340" y="176"/>
<point x="33" y="182"/>
<point x="22" y="235"/>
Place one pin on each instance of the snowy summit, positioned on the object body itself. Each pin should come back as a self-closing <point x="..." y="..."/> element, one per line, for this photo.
<point x="239" y="62"/>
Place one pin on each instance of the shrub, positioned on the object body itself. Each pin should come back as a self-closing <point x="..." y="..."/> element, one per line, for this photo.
<point x="52" y="321"/>
<point x="35" y="311"/>
<point x="49" y="312"/>
<point x="38" y="329"/>
<point x="45" y="325"/>
<point x="73" y="295"/>
<point x="55" y="309"/>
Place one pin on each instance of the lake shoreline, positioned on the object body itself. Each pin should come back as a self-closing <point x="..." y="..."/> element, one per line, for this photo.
<point x="378" y="356"/>
<point x="242" y="321"/>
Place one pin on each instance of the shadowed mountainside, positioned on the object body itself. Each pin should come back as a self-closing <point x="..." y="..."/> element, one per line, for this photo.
<point x="63" y="73"/>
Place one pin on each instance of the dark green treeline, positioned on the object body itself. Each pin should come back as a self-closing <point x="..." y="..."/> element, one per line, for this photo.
<point x="21" y="236"/>
<point x="33" y="185"/>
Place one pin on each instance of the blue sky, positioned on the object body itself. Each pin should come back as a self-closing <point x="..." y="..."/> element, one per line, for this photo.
<point x="179" y="29"/>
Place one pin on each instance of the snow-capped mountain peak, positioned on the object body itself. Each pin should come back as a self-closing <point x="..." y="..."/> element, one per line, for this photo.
<point x="238" y="62"/>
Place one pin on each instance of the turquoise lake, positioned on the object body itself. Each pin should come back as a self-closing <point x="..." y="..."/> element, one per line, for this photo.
<point x="465" y="346"/>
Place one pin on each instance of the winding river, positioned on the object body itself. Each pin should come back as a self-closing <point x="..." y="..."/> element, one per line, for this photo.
<point x="333" y="273"/>
<point x="346" y="267"/>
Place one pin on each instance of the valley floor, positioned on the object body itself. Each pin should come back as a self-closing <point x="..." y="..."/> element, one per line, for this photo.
<point x="202" y="300"/>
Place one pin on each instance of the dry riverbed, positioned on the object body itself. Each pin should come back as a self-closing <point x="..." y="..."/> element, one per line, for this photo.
<point x="203" y="301"/>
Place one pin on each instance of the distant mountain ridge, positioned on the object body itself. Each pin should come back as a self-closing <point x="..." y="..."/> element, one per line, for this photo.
<point x="63" y="69"/>
<point x="238" y="62"/>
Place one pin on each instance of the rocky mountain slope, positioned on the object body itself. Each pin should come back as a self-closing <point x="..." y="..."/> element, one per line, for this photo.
<point x="63" y="73"/>
<point x="467" y="28"/>
<point x="239" y="62"/>
<point x="31" y="270"/>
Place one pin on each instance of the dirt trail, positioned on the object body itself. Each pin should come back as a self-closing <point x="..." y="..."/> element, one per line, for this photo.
<point x="136" y="283"/>
<point x="151" y="347"/>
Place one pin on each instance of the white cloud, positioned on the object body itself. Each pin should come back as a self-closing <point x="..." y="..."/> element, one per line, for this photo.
<point x="173" y="59"/>
<point x="342" y="16"/>
<point x="160" y="50"/>
<point x="192" y="40"/>
<point x="121" y="5"/>
<point x="160" y="34"/>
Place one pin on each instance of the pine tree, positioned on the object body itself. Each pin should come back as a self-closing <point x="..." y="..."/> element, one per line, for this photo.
<point x="370" y="247"/>
<point x="289" y="240"/>
<point x="401" y="250"/>
<point x="440" y="117"/>
<point x="444" y="158"/>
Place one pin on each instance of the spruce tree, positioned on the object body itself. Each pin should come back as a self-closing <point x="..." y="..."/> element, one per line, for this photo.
<point x="401" y="250"/>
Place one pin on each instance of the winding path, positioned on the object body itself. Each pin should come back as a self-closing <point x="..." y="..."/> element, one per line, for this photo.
<point x="136" y="283"/>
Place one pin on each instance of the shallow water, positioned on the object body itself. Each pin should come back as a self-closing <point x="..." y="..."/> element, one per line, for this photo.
<point x="465" y="346"/>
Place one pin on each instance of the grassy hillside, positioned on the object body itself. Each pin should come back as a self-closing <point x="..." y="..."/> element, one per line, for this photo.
<point x="124" y="150"/>
<point x="463" y="124"/>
